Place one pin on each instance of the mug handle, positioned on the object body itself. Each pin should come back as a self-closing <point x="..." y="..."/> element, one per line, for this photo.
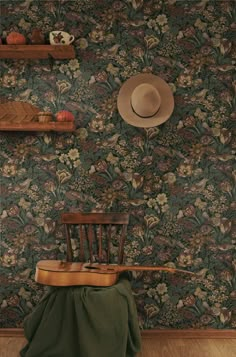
<point x="71" y="39"/>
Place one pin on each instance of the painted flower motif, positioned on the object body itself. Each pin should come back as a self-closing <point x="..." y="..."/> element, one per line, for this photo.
<point x="137" y="4"/>
<point x="49" y="186"/>
<point x="138" y="231"/>
<point x="137" y="181"/>
<point x="189" y="121"/>
<point x="63" y="176"/>
<point x="185" y="80"/>
<point x="101" y="166"/>
<point x="49" y="225"/>
<point x="109" y="196"/>
<point x="185" y="170"/>
<point x="189" y="300"/>
<point x="73" y="154"/>
<point x="74" y="64"/>
<point x="22" y="240"/>
<point x="8" y="260"/>
<point x="83" y="43"/>
<point x="152" y="24"/>
<point x="197" y="151"/>
<point x="147" y="250"/>
<point x="225" y="136"/>
<point x="137" y="52"/>
<point x="151" y="221"/>
<point x="13" y="300"/>
<point x="108" y="106"/>
<point x="152" y="203"/>
<point x="161" y="20"/>
<point x="97" y="35"/>
<point x="63" y="86"/>
<point x="97" y="125"/>
<point x="206" y="319"/>
<point x="225" y="225"/>
<point x="185" y="259"/>
<point x="24" y="204"/>
<point x="13" y="211"/>
<point x="50" y="96"/>
<point x="9" y="170"/>
<point x="170" y="178"/>
<point x="161" y="288"/>
<point x="82" y="133"/>
<point x="225" y="315"/>
<point x="9" y="80"/>
<point x="161" y="198"/>
<point x="151" y="41"/>
<point x="151" y="310"/>
<point x="189" y="211"/>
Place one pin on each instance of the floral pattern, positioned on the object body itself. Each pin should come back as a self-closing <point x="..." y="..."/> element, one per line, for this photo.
<point x="176" y="180"/>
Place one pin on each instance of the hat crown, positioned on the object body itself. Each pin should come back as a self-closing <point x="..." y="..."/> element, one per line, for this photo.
<point x="145" y="100"/>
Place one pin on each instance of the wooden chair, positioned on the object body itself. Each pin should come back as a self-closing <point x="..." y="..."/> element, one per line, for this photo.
<point x="101" y="238"/>
<point x="91" y="316"/>
<point x="97" y="231"/>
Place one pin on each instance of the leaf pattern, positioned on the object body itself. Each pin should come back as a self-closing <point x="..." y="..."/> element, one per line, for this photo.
<point x="177" y="180"/>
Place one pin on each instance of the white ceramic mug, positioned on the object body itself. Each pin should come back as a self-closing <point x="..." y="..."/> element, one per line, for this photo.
<point x="60" y="38"/>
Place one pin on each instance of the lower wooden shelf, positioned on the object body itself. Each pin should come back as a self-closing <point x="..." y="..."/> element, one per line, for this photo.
<point x="37" y="51"/>
<point x="51" y="126"/>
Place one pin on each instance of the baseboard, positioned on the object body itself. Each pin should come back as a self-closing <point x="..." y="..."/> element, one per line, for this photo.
<point x="11" y="332"/>
<point x="154" y="333"/>
<point x="189" y="333"/>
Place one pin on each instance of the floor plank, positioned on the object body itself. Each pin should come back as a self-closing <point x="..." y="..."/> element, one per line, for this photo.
<point x="10" y="346"/>
<point x="188" y="348"/>
<point x="151" y="347"/>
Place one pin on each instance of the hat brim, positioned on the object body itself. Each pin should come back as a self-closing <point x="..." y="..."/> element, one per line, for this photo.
<point x="124" y="101"/>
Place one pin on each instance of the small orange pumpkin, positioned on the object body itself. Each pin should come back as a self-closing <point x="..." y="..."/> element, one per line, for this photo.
<point x="16" y="38"/>
<point x="65" y="115"/>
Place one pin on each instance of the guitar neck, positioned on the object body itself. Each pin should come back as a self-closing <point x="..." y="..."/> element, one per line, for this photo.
<point x="121" y="268"/>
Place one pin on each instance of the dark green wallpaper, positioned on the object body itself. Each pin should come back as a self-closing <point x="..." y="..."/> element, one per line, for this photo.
<point x="177" y="180"/>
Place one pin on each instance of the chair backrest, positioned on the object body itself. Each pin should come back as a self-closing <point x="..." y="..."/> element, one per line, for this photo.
<point x="97" y="232"/>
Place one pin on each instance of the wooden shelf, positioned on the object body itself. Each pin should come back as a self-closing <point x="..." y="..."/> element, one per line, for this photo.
<point x="52" y="126"/>
<point x="37" y="51"/>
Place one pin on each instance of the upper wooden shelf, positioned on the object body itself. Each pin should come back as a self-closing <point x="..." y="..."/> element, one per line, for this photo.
<point x="34" y="126"/>
<point x="37" y="51"/>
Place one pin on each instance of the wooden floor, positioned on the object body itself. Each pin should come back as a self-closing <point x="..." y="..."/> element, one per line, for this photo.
<point x="188" y="348"/>
<point x="10" y="347"/>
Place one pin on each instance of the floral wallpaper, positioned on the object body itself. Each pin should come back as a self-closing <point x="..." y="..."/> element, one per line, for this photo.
<point x="176" y="180"/>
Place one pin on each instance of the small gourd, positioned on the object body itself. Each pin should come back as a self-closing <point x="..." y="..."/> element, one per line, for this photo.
<point x="16" y="38"/>
<point x="64" y="115"/>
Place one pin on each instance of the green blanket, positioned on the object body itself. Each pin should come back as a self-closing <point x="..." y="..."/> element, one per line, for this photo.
<point x="84" y="322"/>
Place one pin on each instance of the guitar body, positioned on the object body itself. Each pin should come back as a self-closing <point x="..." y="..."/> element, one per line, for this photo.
<point x="59" y="273"/>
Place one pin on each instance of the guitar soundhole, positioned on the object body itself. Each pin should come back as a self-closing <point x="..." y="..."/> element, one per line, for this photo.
<point x="99" y="268"/>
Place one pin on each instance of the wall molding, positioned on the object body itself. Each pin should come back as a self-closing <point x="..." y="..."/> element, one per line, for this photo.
<point x="189" y="333"/>
<point x="154" y="333"/>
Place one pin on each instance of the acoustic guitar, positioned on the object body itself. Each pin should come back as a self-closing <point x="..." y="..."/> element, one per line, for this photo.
<point x="59" y="273"/>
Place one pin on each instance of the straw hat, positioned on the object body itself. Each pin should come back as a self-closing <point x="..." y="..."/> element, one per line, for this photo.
<point x="145" y="100"/>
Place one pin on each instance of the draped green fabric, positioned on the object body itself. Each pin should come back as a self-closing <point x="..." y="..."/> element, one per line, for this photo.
<point x="84" y="322"/>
